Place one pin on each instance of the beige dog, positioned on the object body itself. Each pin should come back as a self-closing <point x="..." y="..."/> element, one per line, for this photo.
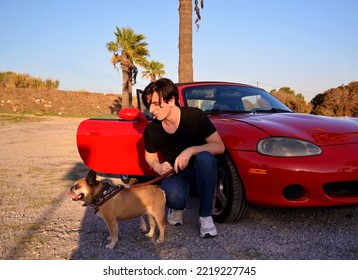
<point x="126" y="204"/>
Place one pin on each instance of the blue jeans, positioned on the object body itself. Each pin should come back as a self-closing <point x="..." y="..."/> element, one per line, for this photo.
<point x="203" y="173"/>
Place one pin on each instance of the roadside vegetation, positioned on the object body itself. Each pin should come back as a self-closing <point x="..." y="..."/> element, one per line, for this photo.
<point x="14" y="80"/>
<point x="335" y="102"/>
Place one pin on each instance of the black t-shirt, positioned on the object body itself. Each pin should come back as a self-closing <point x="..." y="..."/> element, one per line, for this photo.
<point x="193" y="128"/>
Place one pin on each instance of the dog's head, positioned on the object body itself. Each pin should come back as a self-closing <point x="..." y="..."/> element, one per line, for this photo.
<point x="83" y="188"/>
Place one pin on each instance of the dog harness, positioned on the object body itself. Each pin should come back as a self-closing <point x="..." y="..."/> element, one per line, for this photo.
<point x="107" y="192"/>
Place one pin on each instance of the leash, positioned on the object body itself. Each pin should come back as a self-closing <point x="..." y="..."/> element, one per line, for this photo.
<point x="156" y="179"/>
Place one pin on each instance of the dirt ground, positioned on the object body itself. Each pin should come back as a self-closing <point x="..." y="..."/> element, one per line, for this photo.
<point x="38" y="164"/>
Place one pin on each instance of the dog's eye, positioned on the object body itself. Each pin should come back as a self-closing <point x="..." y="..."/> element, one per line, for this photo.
<point x="77" y="186"/>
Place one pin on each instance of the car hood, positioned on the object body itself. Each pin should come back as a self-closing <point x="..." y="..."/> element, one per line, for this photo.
<point x="317" y="129"/>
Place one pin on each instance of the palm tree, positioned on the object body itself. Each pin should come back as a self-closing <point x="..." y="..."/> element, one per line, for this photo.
<point x="153" y="70"/>
<point x="128" y="50"/>
<point x="185" y="69"/>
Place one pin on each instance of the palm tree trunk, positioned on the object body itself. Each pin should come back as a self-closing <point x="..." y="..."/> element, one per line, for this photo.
<point x="130" y="96"/>
<point x="185" y="41"/>
<point x="125" y="89"/>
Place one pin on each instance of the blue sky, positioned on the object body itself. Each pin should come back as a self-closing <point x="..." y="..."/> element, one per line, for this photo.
<point x="307" y="45"/>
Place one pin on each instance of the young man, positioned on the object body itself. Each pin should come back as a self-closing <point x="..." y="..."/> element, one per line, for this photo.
<point x="188" y="141"/>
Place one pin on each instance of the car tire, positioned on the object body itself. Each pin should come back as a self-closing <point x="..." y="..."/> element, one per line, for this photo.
<point x="230" y="204"/>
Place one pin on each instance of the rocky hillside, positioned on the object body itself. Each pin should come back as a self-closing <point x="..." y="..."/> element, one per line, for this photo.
<point x="57" y="102"/>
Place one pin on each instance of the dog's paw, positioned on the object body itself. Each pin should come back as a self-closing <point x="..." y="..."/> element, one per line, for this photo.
<point x="159" y="240"/>
<point x="149" y="234"/>
<point x="110" y="245"/>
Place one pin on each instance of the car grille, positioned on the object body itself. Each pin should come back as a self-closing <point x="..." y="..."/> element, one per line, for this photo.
<point x="341" y="189"/>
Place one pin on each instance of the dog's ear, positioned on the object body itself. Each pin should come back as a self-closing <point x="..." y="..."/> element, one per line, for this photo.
<point x="91" y="178"/>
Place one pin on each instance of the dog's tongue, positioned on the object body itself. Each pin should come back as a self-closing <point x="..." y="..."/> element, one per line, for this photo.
<point x="74" y="197"/>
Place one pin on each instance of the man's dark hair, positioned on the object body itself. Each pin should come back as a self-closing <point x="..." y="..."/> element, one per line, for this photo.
<point x="166" y="90"/>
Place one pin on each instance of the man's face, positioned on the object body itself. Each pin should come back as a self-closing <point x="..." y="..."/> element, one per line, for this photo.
<point x="159" y="108"/>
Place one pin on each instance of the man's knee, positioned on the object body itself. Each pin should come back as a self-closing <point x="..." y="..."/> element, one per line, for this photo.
<point x="205" y="159"/>
<point x="176" y="200"/>
<point x="176" y="196"/>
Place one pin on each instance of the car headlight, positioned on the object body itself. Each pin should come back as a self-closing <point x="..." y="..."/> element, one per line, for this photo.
<point x="287" y="147"/>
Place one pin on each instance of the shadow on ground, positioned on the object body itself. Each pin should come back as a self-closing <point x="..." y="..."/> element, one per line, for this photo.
<point x="34" y="227"/>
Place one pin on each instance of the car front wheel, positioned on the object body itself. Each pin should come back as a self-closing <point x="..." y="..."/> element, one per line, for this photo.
<point x="230" y="203"/>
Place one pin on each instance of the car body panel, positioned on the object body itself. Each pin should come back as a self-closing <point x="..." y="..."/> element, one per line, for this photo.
<point x="316" y="129"/>
<point x="113" y="146"/>
<point x="312" y="173"/>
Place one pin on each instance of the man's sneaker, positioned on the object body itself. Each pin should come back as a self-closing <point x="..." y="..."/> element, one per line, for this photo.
<point x="175" y="217"/>
<point x="207" y="227"/>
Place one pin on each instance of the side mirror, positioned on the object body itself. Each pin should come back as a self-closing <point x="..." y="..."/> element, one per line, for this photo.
<point x="132" y="114"/>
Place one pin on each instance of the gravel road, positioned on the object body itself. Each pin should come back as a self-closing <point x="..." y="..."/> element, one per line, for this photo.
<point x="39" y="162"/>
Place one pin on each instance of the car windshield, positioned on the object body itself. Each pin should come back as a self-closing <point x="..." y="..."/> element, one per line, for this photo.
<point x="217" y="99"/>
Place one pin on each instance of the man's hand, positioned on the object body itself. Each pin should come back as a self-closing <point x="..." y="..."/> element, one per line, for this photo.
<point x="162" y="168"/>
<point x="182" y="161"/>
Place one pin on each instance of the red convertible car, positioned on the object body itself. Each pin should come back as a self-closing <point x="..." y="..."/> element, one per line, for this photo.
<point x="273" y="157"/>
